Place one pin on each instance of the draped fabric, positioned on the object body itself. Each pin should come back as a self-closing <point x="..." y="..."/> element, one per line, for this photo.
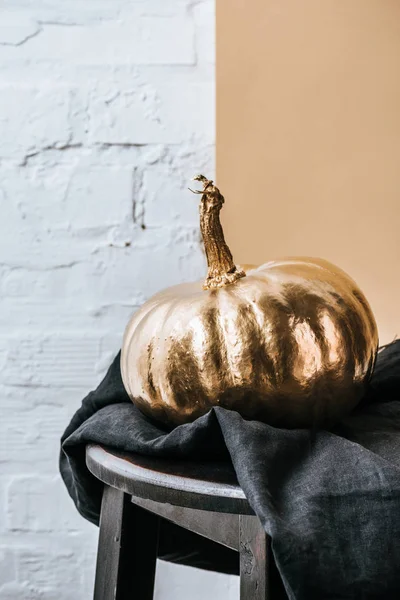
<point x="330" y="500"/>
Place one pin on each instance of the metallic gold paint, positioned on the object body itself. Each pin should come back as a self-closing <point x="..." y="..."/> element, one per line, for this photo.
<point x="292" y="343"/>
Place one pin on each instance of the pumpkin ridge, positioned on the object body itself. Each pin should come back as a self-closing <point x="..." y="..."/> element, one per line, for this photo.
<point x="258" y="341"/>
<point x="182" y="375"/>
<point x="156" y="339"/>
<point x="216" y="352"/>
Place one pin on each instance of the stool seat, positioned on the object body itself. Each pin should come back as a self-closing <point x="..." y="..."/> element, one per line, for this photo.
<point x="203" y="497"/>
<point x="205" y="486"/>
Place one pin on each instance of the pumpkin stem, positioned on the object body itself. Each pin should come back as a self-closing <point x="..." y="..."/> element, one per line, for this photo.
<point x="221" y="268"/>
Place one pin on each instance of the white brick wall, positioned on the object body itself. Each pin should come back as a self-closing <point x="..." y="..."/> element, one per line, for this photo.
<point x="106" y="110"/>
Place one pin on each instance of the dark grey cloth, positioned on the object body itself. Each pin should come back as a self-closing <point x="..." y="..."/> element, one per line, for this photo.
<point x="329" y="500"/>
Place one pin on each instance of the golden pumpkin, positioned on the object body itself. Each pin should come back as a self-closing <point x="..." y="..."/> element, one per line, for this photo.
<point x="291" y="343"/>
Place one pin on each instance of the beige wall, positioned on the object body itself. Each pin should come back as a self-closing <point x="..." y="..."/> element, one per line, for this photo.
<point x="308" y="137"/>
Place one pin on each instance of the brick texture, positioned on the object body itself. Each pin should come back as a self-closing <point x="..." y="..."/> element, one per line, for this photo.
<point x="106" y="111"/>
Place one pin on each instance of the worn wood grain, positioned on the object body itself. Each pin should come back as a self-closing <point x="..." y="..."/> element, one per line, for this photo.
<point x="127" y="551"/>
<point x="254" y="559"/>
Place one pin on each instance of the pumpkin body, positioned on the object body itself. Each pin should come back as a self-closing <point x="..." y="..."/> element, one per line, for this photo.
<point x="292" y="343"/>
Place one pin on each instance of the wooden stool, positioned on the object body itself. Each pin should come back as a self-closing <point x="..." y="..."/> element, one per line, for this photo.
<point x="201" y="497"/>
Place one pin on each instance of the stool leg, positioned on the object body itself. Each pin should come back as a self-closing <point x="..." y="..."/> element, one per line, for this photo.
<point x="254" y="556"/>
<point x="127" y="551"/>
